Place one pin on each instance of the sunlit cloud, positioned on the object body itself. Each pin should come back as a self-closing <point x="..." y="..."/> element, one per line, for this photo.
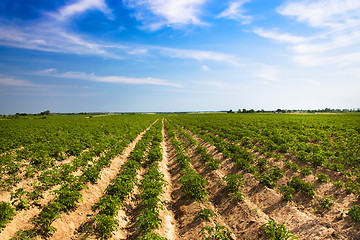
<point x="79" y="7"/>
<point x="200" y="55"/>
<point x="52" y="72"/>
<point x="236" y="12"/>
<point x="10" y="81"/>
<point x="205" y="68"/>
<point x="337" y="25"/>
<point x="281" y="37"/>
<point x="47" y="38"/>
<point x="156" y="14"/>
<point x="340" y="60"/>
<point x="323" y="13"/>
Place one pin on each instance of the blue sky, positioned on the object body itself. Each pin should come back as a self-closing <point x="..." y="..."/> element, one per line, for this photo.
<point x="178" y="55"/>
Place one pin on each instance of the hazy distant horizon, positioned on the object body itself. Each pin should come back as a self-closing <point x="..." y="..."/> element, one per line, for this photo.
<point x="174" y="56"/>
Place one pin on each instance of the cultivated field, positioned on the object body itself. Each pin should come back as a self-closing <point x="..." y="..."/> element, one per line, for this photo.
<point x="181" y="176"/>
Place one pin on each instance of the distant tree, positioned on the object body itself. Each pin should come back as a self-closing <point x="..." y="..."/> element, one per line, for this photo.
<point x="251" y="111"/>
<point x="244" y="110"/>
<point x="230" y="111"/>
<point x="47" y="112"/>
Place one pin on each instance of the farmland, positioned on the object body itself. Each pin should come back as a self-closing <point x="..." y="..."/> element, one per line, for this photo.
<point x="181" y="176"/>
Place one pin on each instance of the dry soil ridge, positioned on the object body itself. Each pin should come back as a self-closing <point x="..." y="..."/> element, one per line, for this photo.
<point x="303" y="224"/>
<point x="69" y="222"/>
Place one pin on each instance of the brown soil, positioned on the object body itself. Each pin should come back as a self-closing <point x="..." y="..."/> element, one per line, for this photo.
<point x="68" y="223"/>
<point x="169" y="226"/>
<point x="304" y="217"/>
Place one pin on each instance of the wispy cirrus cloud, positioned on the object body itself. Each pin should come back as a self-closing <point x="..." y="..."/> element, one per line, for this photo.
<point x="49" y="33"/>
<point x="323" y="13"/>
<point x="337" y="25"/>
<point x="14" y="82"/>
<point x="81" y="6"/>
<point x="339" y="60"/>
<point x="44" y="37"/>
<point x="200" y="55"/>
<point x="281" y="37"/>
<point x="156" y="14"/>
<point x="52" y="72"/>
<point x="235" y="11"/>
<point x="205" y="68"/>
<point x="54" y="39"/>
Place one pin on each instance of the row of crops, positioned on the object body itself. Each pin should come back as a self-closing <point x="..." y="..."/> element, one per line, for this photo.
<point x="146" y="154"/>
<point x="270" y="147"/>
<point x="194" y="185"/>
<point x="83" y="146"/>
<point x="47" y="164"/>
<point x="28" y="146"/>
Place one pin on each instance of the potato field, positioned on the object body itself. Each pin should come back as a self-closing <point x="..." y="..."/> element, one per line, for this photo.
<point x="181" y="176"/>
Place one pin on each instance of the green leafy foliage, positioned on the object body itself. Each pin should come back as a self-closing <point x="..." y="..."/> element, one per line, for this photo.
<point x="149" y="219"/>
<point x="211" y="163"/>
<point x="306" y="170"/>
<point x="287" y="193"/>
<point x="46" y="217"/>
<point x="194" y="184"/>
<point x="235" y="184"/>
<point x="339" y="184"/>
<point x="276" y="231"/>
<point x="155" y="155"/>
<point x="354" y="213"/>
<point x="106" y="224"/>
<point x="18" y="199"/>
<point x="216" y="233"/>
<point x="151" y="236"/>
<point x="6" y="214"/>
<point x="205" y="214"/>
<point x="322" y="177"/>
<point x="300" y="185"/>
<point x="293" y="166"/>
<point x="326" y="202"/>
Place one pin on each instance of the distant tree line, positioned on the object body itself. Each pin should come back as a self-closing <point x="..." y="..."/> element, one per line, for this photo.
<point x="325" y="110"/>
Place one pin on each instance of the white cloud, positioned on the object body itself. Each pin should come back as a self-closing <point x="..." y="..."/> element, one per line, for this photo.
<point x="328" y="42"/>
<point x="323" y="13"/>
<point x="9" y="81"/>
<point x="281" y="37"/>
<point x="48" y="38"/>
<point x="156" y="14"/>
<point x="45" y="38"/>
<point x="81" y="6"/>
<point x="106" y="79"/>
<point x="50" y="35"/>
<point x="20" y="83"/>
<point x="235" y="11"/>
<point x="138" y="51"/>
<point x="205" y="68"/>
<point x="338" y="60"/>
<point x="337" y="27"/>
<point x="200" y="55"/>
